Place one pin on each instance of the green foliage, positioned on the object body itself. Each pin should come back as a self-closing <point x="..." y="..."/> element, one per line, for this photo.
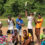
<point x="16" y="7"/>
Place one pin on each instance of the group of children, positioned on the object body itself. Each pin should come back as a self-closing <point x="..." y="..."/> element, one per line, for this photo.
<point x="27" y="38"/>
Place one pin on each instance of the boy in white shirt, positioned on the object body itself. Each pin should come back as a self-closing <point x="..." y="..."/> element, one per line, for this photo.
<point x="30" y="20"/>
<point x="11" y="24"/>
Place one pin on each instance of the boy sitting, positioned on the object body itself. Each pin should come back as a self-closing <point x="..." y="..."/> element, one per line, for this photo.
<point x="3" y="40"/>
<point x="14" y="38"/>
<point x="42" y="38"/>
<point x="26" y="39"/>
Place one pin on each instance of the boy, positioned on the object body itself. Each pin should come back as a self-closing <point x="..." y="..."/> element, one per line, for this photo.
<point x="19" y="24"/>
<point x="38" y="27"/>
<point x="3" y="39"/>
<point x="42" y="38"/>
<point x="30" y="20"/>
<point x="11" y="24"/>
<point x="14" y="38"/>
<point x="27" y="38"/>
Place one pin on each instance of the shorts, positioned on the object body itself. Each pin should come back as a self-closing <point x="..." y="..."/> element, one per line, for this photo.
<point x="37" y="31"/>
<point x="19" y="32"/>
<point x="30" y="31"/>
<point x="10" y="31"/>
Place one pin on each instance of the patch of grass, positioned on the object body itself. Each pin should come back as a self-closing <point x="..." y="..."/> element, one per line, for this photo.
<point x="25" y="22"/>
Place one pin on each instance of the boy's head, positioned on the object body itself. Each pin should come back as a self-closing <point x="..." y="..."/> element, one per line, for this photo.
<point x="25" y="32"/>
<point x="15" y="31"/>
<point x="9" y="17"/>
<point x="0" y="32"/>
<point x="31" y="14"/>
<point x="44" y="30"/>
<point x="19" y="16"/>
<point x="39" y="16"/>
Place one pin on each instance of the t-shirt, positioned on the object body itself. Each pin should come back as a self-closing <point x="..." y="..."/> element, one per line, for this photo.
<point x="42" y="36"/>
<point x="30" y="19"/>
<point x="43" y="43"/>
<point x="3" y="40"/>
<point x="17" y="25"/>
<point x="28" y="36"/>
<point x="11" y="25"/>
<point x="38" y="25"/>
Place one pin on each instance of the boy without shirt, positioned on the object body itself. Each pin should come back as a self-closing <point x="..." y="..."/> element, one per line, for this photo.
<point x="14" y="38"/>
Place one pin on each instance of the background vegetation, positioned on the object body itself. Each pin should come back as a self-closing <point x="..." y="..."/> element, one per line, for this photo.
<point x="14" y="7"/>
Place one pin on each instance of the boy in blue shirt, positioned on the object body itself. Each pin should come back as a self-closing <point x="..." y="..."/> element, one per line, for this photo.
<point x="19" y="24"/>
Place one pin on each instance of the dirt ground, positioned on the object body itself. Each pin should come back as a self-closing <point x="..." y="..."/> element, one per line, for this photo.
<point x="4" y="29"/>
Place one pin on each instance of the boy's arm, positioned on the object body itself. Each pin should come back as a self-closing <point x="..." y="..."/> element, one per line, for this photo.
<point x="17" y="21"/>
<point x="27" y="41"/>
<point x="8" y="22"/>
<point x="13" y="22"/>
<point x="20" y="23"/>
<point x="35" y="20"/>
<point x="26" y="13"/>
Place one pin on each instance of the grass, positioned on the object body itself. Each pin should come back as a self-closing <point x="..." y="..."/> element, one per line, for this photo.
<point x="24" y="19"/>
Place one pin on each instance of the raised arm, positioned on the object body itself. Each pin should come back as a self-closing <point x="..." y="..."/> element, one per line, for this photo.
<point x="26" y="13"/>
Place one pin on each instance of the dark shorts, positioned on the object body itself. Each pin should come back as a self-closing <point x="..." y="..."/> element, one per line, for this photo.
<point x="10" y="32"/>
<point x="30" y="31"/>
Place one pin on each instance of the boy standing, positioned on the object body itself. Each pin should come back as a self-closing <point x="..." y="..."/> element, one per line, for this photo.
<point x="10" y="25"/>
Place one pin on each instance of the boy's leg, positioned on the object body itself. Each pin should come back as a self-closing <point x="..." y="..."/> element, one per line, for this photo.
<point x="13" y="31"/>
<point x="37" y="32"/>
<point x="31" y="31"/>
<point x="20" y="36"/>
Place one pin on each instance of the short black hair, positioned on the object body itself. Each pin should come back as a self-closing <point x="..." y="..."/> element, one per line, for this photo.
<point x="39" y="14"/>
<point x="44" y="30"/>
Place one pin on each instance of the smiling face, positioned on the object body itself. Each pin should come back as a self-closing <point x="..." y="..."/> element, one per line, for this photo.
<point x="19" y="16"/>
<point x="25" y="33"/>
<point x="9" y="17"/>
<point x="39" y="16"/>
<point x="15" y="32"/>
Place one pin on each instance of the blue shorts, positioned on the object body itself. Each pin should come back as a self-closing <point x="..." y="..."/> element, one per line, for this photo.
<point x="43" y="43"/>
